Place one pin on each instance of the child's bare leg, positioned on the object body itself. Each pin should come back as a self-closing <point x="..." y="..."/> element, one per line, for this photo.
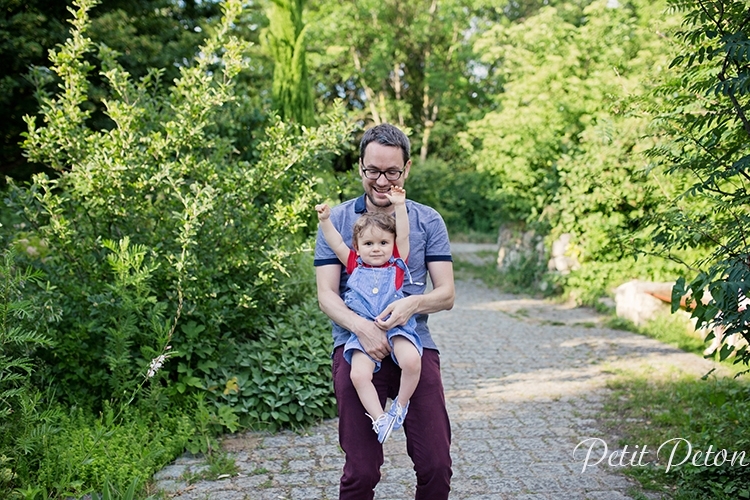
<point x="410" y="363"/>
<point x="361" y="376"/>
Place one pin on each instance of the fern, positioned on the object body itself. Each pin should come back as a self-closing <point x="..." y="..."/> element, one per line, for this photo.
<point x="16" y="339"/>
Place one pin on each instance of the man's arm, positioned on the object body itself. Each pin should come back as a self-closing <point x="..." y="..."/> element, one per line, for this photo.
<point x="440" y="298"/>
<point x="371" y="337"/>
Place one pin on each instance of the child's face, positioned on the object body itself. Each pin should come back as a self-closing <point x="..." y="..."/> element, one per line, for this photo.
<point x="375" y="246"/>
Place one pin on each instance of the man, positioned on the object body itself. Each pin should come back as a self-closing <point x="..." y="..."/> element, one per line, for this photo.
<point x="384" y="162"/>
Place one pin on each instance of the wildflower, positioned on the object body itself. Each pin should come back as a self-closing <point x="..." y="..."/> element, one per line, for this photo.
<point x="157" y="362"/>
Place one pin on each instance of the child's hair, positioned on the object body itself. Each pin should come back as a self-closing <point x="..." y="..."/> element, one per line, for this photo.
<point x="383" y="221"/>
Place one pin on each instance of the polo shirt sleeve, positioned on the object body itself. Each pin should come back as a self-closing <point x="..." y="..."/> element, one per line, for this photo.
<point x="438" y="247"/>
<point x="323" y="254"/>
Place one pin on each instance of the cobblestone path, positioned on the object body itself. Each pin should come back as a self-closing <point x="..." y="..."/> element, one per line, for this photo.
<point x="524" y="380"/>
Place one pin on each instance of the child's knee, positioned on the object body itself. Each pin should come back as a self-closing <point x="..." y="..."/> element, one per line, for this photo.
<point x="408" y="357"/>
<point x="360" y="375"/>
<point x="412" y="364"/>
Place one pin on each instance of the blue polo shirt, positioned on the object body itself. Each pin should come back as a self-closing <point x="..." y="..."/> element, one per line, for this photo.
<point x="428" y="242"/>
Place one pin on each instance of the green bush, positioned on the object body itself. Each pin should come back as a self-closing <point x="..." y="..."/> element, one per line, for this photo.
<point x="461" y="195"/>
<point x="211" y="237"/>
<point x="23" y="324"/>
<point x="83" y="453"/>
<point x="283" y="379"/>
<point x="596" y="279"/>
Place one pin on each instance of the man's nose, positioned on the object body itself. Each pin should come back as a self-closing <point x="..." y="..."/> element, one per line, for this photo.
<point x="382" y="181"/>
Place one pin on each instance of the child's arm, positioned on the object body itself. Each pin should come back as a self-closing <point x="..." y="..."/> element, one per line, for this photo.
<point x="332" y="236"/>
<point x="397" y="197"/>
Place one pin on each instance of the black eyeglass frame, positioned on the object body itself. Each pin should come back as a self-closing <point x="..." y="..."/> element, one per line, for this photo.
<point x="386" y="173"/>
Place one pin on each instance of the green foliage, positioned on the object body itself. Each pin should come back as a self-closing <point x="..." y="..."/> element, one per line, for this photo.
<point x="283" y="379"/>
<point x="147" y="33"/>
<point x="703" y="112"/>
<point x="87" y="454"/>
<point x="525" y="276"/>
<point x="201" y="223"/>
<point x="286" y="39"/>
<point x="564" y="146"/>
<point x="599" y="278"/>
<point x="407" y="63"/>
<point x="559" y="147"/>
<point x="128" y="317"/>
<point x="20" y="332"/>
<point x="219" y="464"/>
<point x="109" y="492"/>
<point x="712" y="412"/>
<point x="459" y="194"/>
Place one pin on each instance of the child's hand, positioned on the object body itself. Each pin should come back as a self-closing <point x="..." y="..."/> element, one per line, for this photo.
<point x="397" y="196"/>
<point x="324" y="211"/>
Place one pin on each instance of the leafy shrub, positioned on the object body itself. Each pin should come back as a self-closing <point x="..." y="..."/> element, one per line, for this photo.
<point x="596" y="279"/>
<point x="86" y="452"/>
<point x="462" y="196"/>
<point x="283" y="379"/>
<point x="22" y="331"/>
<point x="703" y="109"/>
<point x="210" y="233"/>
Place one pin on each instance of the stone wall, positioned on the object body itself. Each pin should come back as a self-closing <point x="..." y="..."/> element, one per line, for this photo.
<point x="515" y="244"/>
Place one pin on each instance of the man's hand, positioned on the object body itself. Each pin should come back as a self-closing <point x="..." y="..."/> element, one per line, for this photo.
<point x="324" y="211"/>
<point x="397" y="196"/>
<point x="397" y="313"/>
<point x="373" y="340"/>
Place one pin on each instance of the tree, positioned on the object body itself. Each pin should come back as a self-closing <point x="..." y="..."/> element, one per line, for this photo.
<point x="704" y="115"/>
<point x="286" y="38"/>
<point x="563" y="146"/>
<point x="409" y="63"/>
<point x="146" y="34"/>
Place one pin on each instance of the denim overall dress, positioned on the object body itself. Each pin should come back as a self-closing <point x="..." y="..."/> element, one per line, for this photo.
<point x="369" y="291"/>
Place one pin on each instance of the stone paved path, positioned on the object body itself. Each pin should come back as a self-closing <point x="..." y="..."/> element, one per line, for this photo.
<point x="524" y="380"/>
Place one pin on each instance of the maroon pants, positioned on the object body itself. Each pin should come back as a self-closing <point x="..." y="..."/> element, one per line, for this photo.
<point x="427" y="428"/>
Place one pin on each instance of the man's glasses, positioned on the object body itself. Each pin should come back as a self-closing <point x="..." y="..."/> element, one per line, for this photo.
<point x="374" y="174"/>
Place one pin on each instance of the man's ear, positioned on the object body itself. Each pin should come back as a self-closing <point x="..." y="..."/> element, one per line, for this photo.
<point x="407" y="169"/>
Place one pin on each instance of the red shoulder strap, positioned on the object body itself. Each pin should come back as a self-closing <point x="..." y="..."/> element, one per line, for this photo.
<point x="351" y="262"/>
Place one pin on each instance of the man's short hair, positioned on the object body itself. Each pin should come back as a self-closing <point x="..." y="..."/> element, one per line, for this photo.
<point x="386" y="135"/>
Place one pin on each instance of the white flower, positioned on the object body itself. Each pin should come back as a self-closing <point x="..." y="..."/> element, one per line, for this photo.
<point x="157" y="363"/>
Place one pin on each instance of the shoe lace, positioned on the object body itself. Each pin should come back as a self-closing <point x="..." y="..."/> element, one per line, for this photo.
<point x="377" y="422"/>
<point x="399" y="414"/>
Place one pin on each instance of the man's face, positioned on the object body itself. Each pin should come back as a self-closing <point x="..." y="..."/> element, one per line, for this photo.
<point x="386" y="159"/>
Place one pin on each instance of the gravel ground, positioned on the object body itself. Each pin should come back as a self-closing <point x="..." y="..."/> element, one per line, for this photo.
<point x="524" y="381"/>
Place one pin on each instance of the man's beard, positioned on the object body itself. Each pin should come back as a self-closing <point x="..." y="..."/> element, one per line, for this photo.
<point x="387" y="202"/>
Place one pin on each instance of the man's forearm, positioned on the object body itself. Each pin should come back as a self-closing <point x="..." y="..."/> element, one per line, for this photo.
<point x="334" y="307"/>
<point x="443" y="293"/>
<point x="435" y="300"/>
